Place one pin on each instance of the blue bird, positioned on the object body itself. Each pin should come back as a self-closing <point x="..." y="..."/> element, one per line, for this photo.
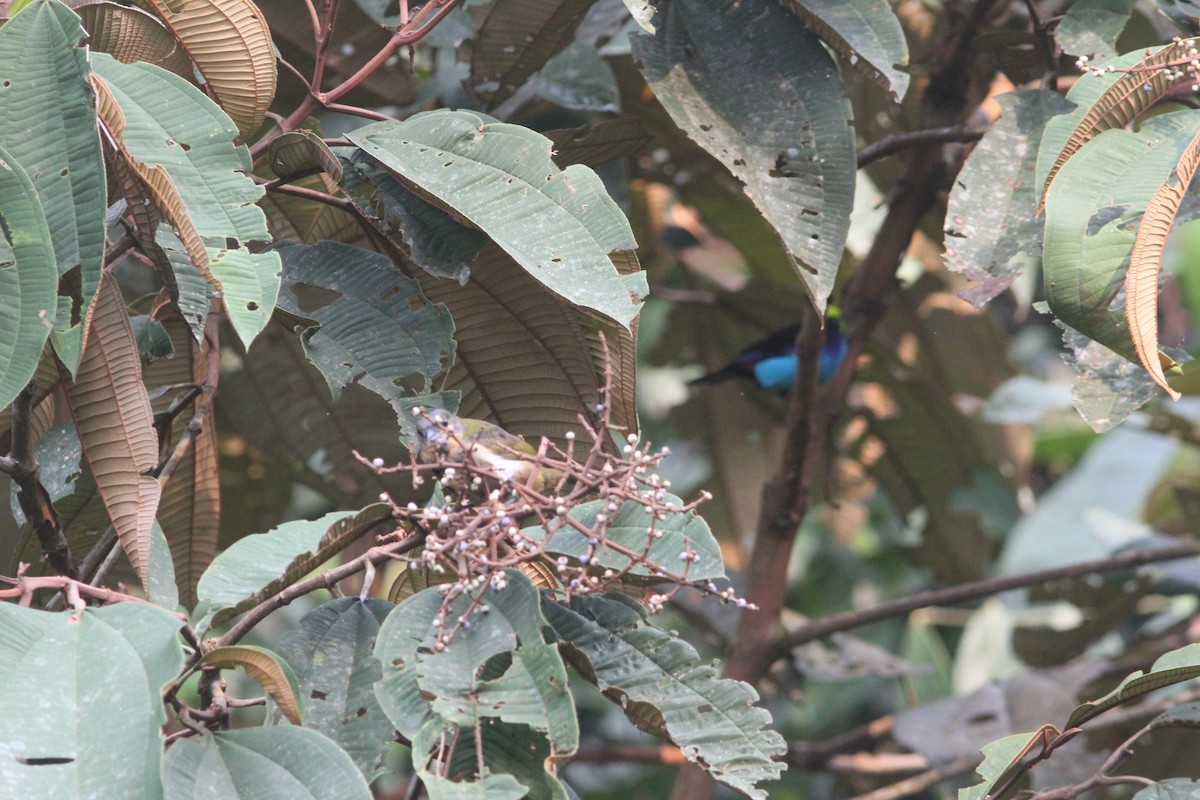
<point x="771" y="361"/>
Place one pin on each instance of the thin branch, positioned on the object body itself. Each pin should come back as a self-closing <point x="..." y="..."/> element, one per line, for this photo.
<point x="323" y="580"/>
<point x="919" y="783"/>
<point x="1046" y="44"/>
<point x="897" y="142"/>
<point x="979" y="589"/>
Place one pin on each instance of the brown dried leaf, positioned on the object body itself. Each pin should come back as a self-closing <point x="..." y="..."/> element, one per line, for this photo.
<point x="231" y="45"/>
<point x="116" y="426"/>
<point x="1141" y="281"/>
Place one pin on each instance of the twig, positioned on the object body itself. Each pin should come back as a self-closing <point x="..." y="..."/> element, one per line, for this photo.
<point x="1102" y="776"/>
<point x="1046" y="44"/>
<point x="897" y="142"/>
<point x="376" y="555"/>
<point x="979" y="589"/>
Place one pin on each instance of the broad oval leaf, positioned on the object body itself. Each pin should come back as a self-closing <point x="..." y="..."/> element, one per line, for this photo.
<point x="1141" y="282"/>
<point x="112" y="412"/>
<point x="181" y="146"/>
<point x="781" y="127"/>
<point x="992" y="234"/>
<point x="1107" y="101"/>
<point x="275" y="763"/>
<point x="48" y="124"/>
<point x="864" y="32"/>
<point x="230" y="43"/>
<point x="1091" y="210"/>
<point x="559" y="225"/>
<point x="299" y="153"/>
<point x="515" y="39"/>
<point x="267" y="669"/>
<point x="332" y="655"/>
<point x="374" y="326"/>
<point x="633" y="529"/>
<point x="644" y="669"/>
<point x="425" y="688"/>
<point x="28" y="279"/>
<point x="88" y="674"/>
<point x="1091" y="27"/>
<point x="257" y="566"/>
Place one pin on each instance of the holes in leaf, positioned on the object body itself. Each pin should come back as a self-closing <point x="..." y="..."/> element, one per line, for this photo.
<point x="185" y="146"/>
<point x="318" y="695"/>
<point x="6" y="84"/>
<point x="448" y="164"/>
<point x="45" y="761"/>
<point x="252" y="306"/>
<point x="1102" y="217"/>
<point x="64" y="173"/>
<point x="362" y="712"/>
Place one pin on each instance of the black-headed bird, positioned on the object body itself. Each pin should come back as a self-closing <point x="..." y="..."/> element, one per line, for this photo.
<point x="771" y="361"/>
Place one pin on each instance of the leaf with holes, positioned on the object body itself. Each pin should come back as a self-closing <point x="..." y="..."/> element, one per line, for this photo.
<point x="112" y="412"/>
<point x="1091" y="27"/>
<point x="781" y="126"/>
<point x="374" y="327"/>
<point x="182" y="150"/>
<point x="866" y="33"/>
<point x="96" y="677"/>
<point x="48" y="126"/>
<point x="332" y="655"/>
<point x="600" y="143"/>
<point x="660" y="684"/>
<point x="992" y="233"/>
<point x="559" y="225"/>
<point x="28" y="279"/>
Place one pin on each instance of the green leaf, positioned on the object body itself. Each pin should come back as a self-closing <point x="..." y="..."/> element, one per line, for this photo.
<point x="429" y="236"/>
<point x="781" y="126"/>
<point x="1092" y="210"/>
<point x="559" y="225"/>
<point x="531" y="690"/>
<point x="866" y="33"/>
<point x="189" y="290"/>
<point x="48" y="125"/>
<point x="513" y="750"/>
<point x="1091" y="27"/>
<point x="89" y="674"/>
<point x="28" y="280"/>
<point x="579" y="79"/>
<point x="632" y="527"/>
<point x="279" y="763"/>
<point x="515" y="39"/>
<point x="1173" y="667"/>
<point x="660" y="684"/>
<point x="992" y="230"/>
<point x="332" y="654"/>
<point x="58" y="453"/>
<point x="997" y="758"/>
<point x="374" y="327"/>
<point x="162" y="590"/>
<point x="261" y="564"/>
<point x="1170" y="789"/>
<point x="171" y="124"/>
<point x="268" y="669"/>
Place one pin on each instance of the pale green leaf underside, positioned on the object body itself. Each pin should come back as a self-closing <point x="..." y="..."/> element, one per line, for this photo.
<point x="375" y="327"/>
<point x="1092" y="210"/>
<point x="89" y="675"/>
<point x="992" y="233"/>
<point x="781" y="126"/>
<point x="276" y="763"/>
<point x="712" y="720"/>
<point x="559" y="225"/>
<point x="631" y="527"/>
<point x="28" y="279"/>
<point x="48" y="124"/>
